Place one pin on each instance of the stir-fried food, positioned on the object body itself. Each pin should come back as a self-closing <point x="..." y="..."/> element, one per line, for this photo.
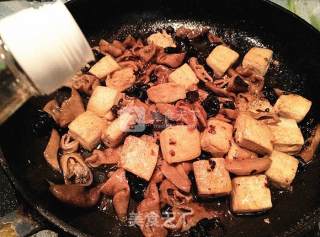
<point x="169" y="127"/>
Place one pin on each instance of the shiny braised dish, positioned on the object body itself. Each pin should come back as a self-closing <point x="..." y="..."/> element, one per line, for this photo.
<point x="168" y="124"/>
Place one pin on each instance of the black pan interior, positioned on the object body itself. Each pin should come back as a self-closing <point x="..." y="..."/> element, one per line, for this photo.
<point x="242" y="24"/>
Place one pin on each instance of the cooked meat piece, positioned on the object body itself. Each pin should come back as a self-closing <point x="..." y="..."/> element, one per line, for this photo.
<point x="199" y="70"/>
<point x="258" y="60"/>
<point x="75" y="171"/>
<point x="104" y="67"/>
<point x="119" y="45"/>
<point x="212" y="178"/>
<point x="129" y="42"/>
<point x="149" y="70"/>
<point x="216" y="138"/>
<point x="51" y="151"/>
<point x="287" y="136"/>
<point x="250" y="194"/>
<point x="85" y="83"/>
<point x="139" y="156"/>
<point x="162" y="40"/>
<point x="183" y="32"/>
<point x="184" y="76"/>
<point x="237" y="84"/>
<point x="87" y="129"/>
<point x="200" y="113"/>
<point x="214" y="39"/>
<point x="122" y="79"/>
<point x="181" y="112"/>
<point x="187" y="216"/>
<point x="282" y="170"/>
<point x="162" y="73"/>
<point x="146" y="52"/>
<point x="219" y="91"/>
<point x="76" y="195"/>
<point x="221" y="58"/>
<point x="107" y="48"/>
<point x="247" y="166"/>
<point x="173" y="60"/>
<point x="178" y="177"/>
<point x="136" y="65"/>
<point x="68" y="110"/>
<point x="127" y="56"/>
<point x="68" y="144"/>
<point x="166" y="93"/>
<point x="117" y="187"/>
<point x="180" y="143"/>
<point x="292" y="106"/>
<point x="311" y="145"/>
<point x="253" y="134"/>
<point x="107" y="157"/>
<point x="102" y="100"/>
<point x="169" y="194"/>
<point x="150" y="207"/>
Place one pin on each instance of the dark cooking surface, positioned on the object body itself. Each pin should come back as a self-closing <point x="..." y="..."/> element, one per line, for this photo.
<point x="249" y="23"/>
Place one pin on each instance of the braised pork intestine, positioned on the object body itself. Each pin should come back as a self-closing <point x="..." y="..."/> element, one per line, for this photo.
<point x="145" y="88"/>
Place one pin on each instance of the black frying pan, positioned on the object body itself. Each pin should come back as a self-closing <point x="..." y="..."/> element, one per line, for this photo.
<point x="242" y="24"/>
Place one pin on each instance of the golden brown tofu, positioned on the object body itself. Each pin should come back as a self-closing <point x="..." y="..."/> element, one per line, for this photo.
<point x="250" y="194"/>
<point x="212" y="178"/>
<point x="139" y="156"/>
<point x="253" y="134"/>
<point x="238" y="153"/>
<point x="162" y="40"/>
<point x="260" y="105"/>
<point x="258" y="59"/>
<point x="216" y="138"/>
<point x="282" y="170"/>
<point x="221" y="58"/>
<point x="87" y="128"/>
<point x="180" y="143"/>
<point x="115" y="132"/>
<point x="166" y="93"/>
<point x="287" y="136"/>
<point x="104" y="67"/>
<point x="121" y="79"/>
<point x="292" y="106"/>
<point x="102" y="99"/>
<point x="184" y="76"/>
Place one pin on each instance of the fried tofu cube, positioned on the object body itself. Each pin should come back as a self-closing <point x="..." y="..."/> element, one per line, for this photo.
<point x="166" y="93"/>
<point x="139" y="156"/>
<point x="180" y="143"/>
<point x="216" y="138"/>
<point x="250" y="194"/>
<point x="287" y="136"/>
<point x="258" y="59"/>
<point x="87" y="128"/>
<point x="253" y="134"/>
<point x="121" y="79"/>
<point x="212" y="178"/>
<point x="283" y="169"/>
<point x="104" y="67"/>
<point x="184" y="76"/>
<point x="102" y="99"/>
<point x="162" y="40"/>
<point x="118" y="128"/>
<point x="221" y="58"/>
<point x="259" y="105"/>
<point x="292" y="106"/>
